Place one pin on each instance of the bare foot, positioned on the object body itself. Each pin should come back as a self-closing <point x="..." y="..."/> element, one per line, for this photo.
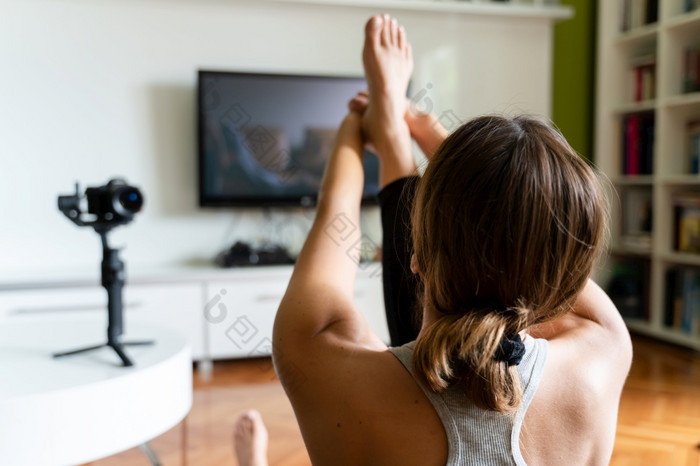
<point x="388" y="63"/>
<point x="250" y="439"/>
<point x="425" y="128"/>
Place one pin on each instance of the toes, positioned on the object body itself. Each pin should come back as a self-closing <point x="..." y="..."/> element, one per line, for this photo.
<point x="254" y="415"/>
<point x="401" y="38"/>
<point x="245" y="422"/>
<point x="256" y="421"/>
<point x="373" y="28"/>
<point x="386" y="30"/>
<point x="359" y="103"/>
<point x="394" y="32"/>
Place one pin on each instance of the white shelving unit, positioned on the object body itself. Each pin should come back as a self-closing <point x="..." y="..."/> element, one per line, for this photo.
<point x="672" y="110"/>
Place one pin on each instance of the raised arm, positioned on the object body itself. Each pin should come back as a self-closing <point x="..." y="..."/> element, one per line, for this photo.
<point x="319" y="298"/>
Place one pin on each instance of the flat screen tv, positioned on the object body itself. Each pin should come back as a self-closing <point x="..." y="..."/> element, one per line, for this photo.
<point x="264" y="139"/>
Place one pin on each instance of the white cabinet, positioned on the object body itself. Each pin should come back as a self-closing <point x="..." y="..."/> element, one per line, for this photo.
<point x="53" y="304"/>
<point x="176" y="307"/>
<point x="369" y="300"/>
<point x="240" y="313"/>
<point x="223" y="313"/>
<point x="164" y="305"/>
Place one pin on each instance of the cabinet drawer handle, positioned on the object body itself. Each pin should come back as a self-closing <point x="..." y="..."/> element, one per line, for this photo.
<point x="275" y="297"/>
<point x="278" y="298"/>
<point x="69" y="308"/>
<point x="268" y="297"/>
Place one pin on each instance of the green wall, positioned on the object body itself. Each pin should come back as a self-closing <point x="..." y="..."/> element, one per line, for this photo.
<point x="573" y="92"/>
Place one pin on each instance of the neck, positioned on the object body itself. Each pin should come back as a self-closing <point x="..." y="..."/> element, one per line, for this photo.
<point x="430" y="315"/>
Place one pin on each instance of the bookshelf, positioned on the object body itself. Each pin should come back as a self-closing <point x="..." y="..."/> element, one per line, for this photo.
<point x="655" y="284"/>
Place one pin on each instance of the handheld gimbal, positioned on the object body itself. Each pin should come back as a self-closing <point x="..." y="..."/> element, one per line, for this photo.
<point x="109" y="206"/>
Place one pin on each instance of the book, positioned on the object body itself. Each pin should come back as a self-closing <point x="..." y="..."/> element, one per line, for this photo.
<point x="649" y="82"/>
<point x="632" y="154"/>
<point x="694" y="146"/>
<point x="691" y="296"/>
<point x="672" y="298"/>
<point x="691" y="69"/>
<point x="646" y="145"/>
<point x="637" y="13"/>
<point x="637" y="218"/>
<point x="682" y="301"/>
<point x="638" y="144"/>
<point x="687" y="214"/>
<point x="644" y="79"/>
<point x="624" y="14"/>
<point x="652" y="11"/>
<point x="628" y="288"/>
<point x="690" y="5"/>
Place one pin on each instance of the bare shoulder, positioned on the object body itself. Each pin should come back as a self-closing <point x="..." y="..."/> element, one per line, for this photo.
<point x="589" y="358"/>
<point x="358" y="402"/>
<point x="592" y="339"/>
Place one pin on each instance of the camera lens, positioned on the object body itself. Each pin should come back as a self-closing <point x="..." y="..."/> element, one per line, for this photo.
<point x="129" y="199"/>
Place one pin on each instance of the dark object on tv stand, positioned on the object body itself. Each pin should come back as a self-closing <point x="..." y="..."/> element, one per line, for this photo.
<point x="242" y="254"/>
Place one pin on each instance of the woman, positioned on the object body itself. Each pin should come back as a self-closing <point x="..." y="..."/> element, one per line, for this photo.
<point x="520" y="357"/>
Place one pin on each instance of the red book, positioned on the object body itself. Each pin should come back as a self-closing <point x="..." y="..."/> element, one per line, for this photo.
<point x="697" y="68"/>
<point x="638" y="83"/>
<point x="633" y="155"/>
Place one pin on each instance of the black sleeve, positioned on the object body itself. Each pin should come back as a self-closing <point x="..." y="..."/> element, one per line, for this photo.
<point x="400" y="284"/>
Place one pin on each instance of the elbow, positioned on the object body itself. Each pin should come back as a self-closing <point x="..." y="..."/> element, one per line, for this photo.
<point x="288" y="371"/>
<point x="627" y="350"/>
<point x="621" y="335"/>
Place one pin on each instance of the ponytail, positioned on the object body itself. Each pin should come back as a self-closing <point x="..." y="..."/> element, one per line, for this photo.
<point x="477" y="350"/>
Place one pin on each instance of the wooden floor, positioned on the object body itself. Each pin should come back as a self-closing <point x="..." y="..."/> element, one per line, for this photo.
<point x="659" y="421"/>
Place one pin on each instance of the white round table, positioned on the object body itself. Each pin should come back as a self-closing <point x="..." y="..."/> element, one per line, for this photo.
<point x="87" y="406"/>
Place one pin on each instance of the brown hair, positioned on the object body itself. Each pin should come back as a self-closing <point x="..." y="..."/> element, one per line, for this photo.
<point x="507" y="223"/>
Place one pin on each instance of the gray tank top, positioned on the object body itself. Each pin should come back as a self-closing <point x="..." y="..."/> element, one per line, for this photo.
<point x="476" y="436"/>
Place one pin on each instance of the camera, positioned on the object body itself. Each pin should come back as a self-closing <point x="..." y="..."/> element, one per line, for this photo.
<point x="108" y="206"/>
<point x="112" y="204"/>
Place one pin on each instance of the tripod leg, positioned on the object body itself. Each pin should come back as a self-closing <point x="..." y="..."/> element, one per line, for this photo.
<point x="122" y="355"/>
<point x="77" y="351"/>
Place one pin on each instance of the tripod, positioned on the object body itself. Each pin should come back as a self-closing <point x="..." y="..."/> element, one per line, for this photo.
<point x="113" y="281"/>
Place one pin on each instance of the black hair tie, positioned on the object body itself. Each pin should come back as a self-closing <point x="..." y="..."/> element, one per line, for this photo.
<point x="511" y="350"/>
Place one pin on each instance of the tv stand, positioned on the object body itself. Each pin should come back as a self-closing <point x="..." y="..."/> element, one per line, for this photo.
<point x="224" y="313"/>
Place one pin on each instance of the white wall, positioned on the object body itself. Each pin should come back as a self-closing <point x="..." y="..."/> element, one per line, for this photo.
<point x="90" y="89"/>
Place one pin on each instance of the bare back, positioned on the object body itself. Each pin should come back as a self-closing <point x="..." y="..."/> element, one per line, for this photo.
<point x="359" y="405"/>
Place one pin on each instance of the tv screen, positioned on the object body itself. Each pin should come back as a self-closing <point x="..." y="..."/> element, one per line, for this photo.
<point x="264" y="139"/>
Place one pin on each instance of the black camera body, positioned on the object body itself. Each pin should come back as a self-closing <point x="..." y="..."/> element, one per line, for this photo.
<point x="113" y="204"/>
